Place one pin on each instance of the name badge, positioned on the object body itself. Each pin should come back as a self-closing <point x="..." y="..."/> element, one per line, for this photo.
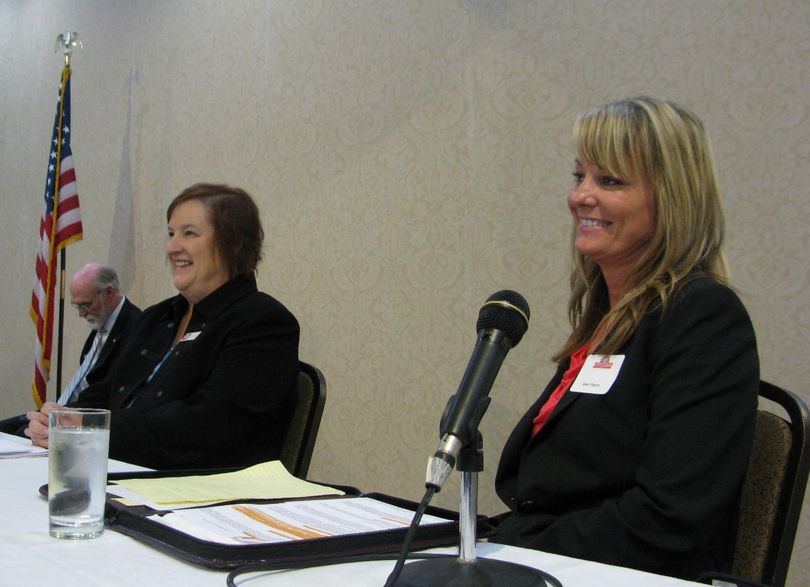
<point x="189" y="336"/>
<point x="598" y="374"/>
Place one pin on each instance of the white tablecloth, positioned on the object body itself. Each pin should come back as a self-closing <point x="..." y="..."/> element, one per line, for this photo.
<point x="31" y="557"/>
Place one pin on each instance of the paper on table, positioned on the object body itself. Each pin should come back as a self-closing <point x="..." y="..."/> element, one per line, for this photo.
<point x="14" y="446"/>
<point x="293" y="520"/>
<point x="268" y="480"/>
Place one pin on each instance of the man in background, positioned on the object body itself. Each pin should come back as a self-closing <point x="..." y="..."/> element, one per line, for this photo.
<point x="95" y="292"/>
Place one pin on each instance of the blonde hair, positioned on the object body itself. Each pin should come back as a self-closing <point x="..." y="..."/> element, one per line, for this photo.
<point x="659" y="140"/>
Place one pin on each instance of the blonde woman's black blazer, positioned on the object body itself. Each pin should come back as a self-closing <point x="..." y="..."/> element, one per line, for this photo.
<point x="648" y="475"/>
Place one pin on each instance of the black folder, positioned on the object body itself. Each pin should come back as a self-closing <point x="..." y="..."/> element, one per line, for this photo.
<point x="136" y="523"/>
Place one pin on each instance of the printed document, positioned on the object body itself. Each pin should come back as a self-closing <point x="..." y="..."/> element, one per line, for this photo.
<point x="14" y="446"/>
<point x="292" y="520"/>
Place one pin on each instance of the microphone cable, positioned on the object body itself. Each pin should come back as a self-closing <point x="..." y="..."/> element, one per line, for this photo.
<point x="404" y="555"/>
<point x="406" y="544"/>
<point x="292" y="565"/>
<point x="549" y="579"/>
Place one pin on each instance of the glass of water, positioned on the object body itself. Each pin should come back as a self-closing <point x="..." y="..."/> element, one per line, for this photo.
<point x="78" y="444"/>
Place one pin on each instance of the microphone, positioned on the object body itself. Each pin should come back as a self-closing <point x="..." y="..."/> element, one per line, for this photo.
<point x="502" y="322"/>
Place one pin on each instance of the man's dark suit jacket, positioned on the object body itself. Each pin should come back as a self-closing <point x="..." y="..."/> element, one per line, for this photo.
<point x="109" y="352"/>
<point x="115" y="341"/>
<point x="648" y="475"/>
<point x="222" y="396"/>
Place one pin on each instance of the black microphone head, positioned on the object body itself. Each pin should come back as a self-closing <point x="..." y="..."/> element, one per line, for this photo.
<point x="506" y="311"/>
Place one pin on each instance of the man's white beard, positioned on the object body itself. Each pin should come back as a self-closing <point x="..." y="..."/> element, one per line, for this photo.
<point x="93" y="322"/>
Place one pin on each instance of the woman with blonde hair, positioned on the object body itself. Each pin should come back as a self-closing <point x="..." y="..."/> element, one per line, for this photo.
<point x="635" y="452"/>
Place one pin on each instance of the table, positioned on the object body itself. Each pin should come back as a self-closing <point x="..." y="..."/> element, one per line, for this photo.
<point x="31" y="556"/>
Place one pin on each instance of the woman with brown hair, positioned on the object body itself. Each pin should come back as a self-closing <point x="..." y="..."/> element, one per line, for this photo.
<point x="207" y="378"/>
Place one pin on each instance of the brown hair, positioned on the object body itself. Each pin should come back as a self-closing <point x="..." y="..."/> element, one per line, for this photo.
<point x="238" y="232"/>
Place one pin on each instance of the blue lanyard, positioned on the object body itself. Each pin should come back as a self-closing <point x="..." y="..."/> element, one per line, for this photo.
<point x="160" y="363"/>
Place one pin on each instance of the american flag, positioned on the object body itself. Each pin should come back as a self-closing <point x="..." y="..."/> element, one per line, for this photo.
<point x="60" y="225"/>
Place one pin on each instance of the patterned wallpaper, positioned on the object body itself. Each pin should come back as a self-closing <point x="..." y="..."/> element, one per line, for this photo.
<point x="410" y="158"/>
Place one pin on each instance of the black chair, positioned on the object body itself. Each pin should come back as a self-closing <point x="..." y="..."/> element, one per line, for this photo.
<point x="300" y="440"/>
<point x="772" y="493"/>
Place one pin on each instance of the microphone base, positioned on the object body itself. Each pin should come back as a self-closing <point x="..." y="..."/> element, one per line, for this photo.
<point x="452" y="572"/>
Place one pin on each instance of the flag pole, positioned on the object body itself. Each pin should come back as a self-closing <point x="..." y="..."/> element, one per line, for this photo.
<point x="61" y="325"/>
<point x="60" y="225"/>
<point x="66" y="41"/>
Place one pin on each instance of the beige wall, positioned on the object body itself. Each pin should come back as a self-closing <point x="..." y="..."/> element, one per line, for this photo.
<point x="410" y="158"/>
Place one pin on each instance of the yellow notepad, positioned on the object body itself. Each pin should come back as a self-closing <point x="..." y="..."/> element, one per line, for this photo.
<point x="268" y="480"/>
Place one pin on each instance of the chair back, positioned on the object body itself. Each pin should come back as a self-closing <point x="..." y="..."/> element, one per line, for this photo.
<point x="299" y="443"/>
<point x="773" y="490"/>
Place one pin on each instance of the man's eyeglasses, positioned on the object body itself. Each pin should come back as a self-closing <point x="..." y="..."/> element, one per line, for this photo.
<point x="85" y="306"/>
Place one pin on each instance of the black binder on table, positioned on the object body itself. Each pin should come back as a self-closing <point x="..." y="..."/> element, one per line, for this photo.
<point x="135" y="522"/>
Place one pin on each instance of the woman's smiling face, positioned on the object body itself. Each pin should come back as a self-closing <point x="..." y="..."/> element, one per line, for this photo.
<point x="197" y="267"/>
<point x="614" y="217"/>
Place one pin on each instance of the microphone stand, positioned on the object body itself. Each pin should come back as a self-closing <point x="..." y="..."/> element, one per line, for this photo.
<point x="468" y="570"/>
